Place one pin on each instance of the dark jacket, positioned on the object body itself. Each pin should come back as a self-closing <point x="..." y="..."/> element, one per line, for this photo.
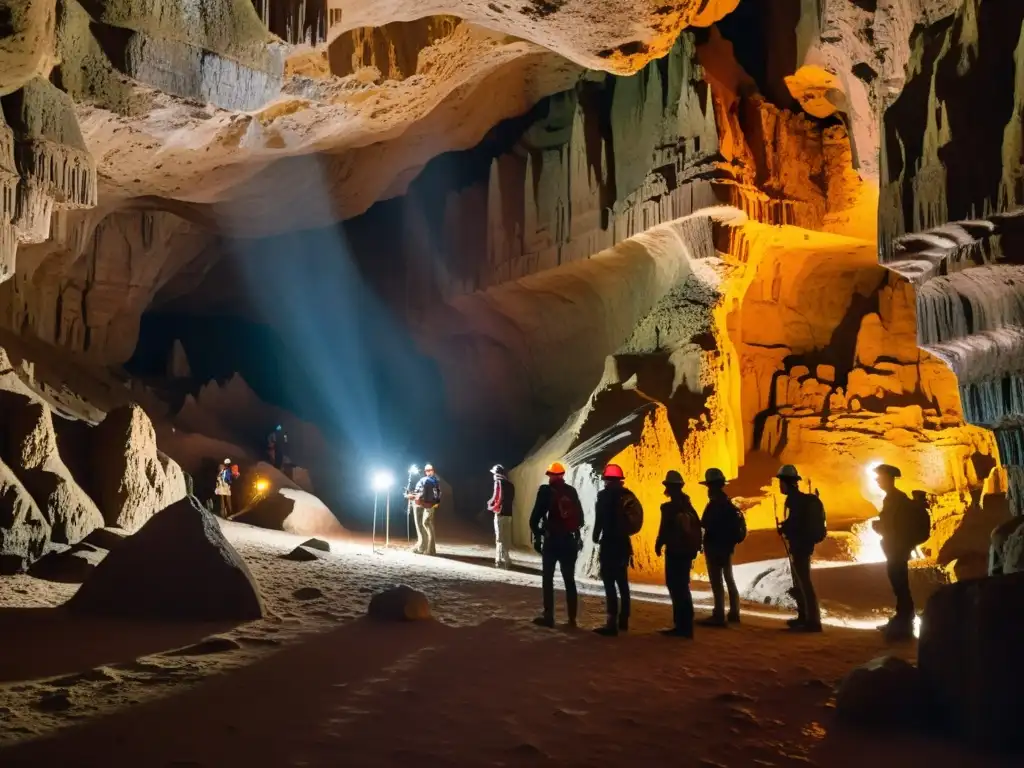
<point x="799" y="524"/>
<point x="421" y="489"/>
<point x="719" y="524"/>
<point x="671" y="525"/>
<point x="614" y="543"/>
<point x="894" y="524"/>
<point x="542" y="507"/>
<point x="502" y="498"/>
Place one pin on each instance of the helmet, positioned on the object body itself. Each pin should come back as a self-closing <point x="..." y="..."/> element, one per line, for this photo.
<point x="888" y="469"/>
<point x="498" y="470"/>
<point x="277" y="428"/>
<point x="555" y="468"/>
<point x="428" y="467"/>
<point x="713" y="476"/>
<point x="788" y="472"/>
<point x="672" y="478"/>
<point x="613" y="472"/>
<point x="227" y="461"/>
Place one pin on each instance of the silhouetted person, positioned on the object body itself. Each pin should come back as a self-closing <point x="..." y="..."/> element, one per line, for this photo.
<point x="896" y="525"/>
<point x="555" y="522"/>
<point x="409" y="492"/>
<point x="426" y="499"/>
<point x="222" y="489"/>
<point x="803" y="527"/>
<point x="680" y="536"/>
<point x="277" y="443"/>
<point x="502" y="498"/>
<point x="724" y="528"/>
<point x="615" y="521"/>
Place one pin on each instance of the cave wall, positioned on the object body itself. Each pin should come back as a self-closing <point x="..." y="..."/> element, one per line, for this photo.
<point x="950" y="207"/>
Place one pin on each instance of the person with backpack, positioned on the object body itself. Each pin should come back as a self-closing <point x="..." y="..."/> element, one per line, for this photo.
<point x="500" y="505"/>
<point x="222" y="489"/>
<point x="426" y="498"/>
<point x="618" y="516"/>
<point x="277" y="443"/>
<point x="903" y="524"/>
<point x="724" y="528"/>
<point x="556" y="522"/>
<point x="680" y="537"/>
<point x="803" y="528"/>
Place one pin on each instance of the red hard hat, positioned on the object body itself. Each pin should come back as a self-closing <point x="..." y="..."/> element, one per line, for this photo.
<point x="613" y="472"/>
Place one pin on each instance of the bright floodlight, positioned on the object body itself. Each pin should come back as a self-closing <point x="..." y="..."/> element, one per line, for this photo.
<point x="414" y="470"/>
<point x="261" y="485"/>
<point x="382" y="480"/>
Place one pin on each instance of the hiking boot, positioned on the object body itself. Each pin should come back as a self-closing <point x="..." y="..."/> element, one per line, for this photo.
<point x="623" y="623"/>
<point x="734" y="618"/>
<point x="678" y="632"/>
<point x="794" y="623"/>
<point x="713" y="621"/>
<point x="608" y="630"/>
<point x="571" y="624"/>
<point x="807" y="628"/>
<point x="545" y="621"/>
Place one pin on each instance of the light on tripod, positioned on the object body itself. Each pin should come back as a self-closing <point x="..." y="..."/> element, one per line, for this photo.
<point x="382" y="480"/>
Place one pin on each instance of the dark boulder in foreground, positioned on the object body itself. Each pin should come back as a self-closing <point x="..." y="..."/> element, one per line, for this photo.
<point x="884" y="692"/>
<point x="178" y="566"/>
<point x="400" y="603"/>
<point x="969" y="655"/>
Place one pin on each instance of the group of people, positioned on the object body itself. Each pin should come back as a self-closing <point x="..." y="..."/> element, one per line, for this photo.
<point x="557" y="522"/>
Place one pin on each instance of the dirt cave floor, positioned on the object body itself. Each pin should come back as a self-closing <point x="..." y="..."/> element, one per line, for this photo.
<point x="317" y="685"/>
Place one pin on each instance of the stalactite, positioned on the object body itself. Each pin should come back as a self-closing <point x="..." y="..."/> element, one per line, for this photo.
<point x="295" y="21"/>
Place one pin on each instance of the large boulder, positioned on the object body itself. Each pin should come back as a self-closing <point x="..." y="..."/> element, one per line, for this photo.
<point x="178" y="566"/>
<point x="30" y="447"/>
<point x="972" y="633"/>
<point x="399" y="603"/>
<point x="1012" y="555"/>
<point x="131" y="479"/>
<point x="24" y="532"/>
<point x="884" y="692"/>
<point x="294" y="511"/>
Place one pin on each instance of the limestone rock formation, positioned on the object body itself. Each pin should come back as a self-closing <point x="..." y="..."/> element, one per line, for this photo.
<point x="30" y="445"/>
<point x="967" y="655"/>
<point x="292" y="511"/>
<point x="131" y="479"/>
<point x="884" y="692"/>
<point x="178" y="566"/>
<point x="177" y="362"/>
<point x="24" y="532"/>
<point x="399" y="603"/>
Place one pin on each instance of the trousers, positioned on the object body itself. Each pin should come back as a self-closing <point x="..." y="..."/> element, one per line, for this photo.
<point x="502" y="541"/>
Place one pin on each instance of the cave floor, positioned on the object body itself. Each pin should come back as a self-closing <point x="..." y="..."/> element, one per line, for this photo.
<point x="313" y="686"/>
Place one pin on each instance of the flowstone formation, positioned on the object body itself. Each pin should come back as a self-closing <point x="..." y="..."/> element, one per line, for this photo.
<point x="952" y="211"/>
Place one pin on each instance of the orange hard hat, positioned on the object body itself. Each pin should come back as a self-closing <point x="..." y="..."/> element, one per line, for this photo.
<point x="555" y="468"/>
<point x="613" y="472"/>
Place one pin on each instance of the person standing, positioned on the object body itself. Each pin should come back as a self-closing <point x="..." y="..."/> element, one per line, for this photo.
<point x="900" y="525"/>
<point x="803" y="527"/>
<point x="680" y="537"/>
<point x="500" y="505"/>
<point x="724" y="527"/>
<point x="222" y="489"/>
<point x="410" y="500"/>
<point x="426" y="498"/>
<point x="277" y="443"/>
<point x="556" y="522"/>
<point x="618" y="516"/>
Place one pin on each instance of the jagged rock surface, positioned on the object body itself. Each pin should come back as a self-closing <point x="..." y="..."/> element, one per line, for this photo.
<point x="131" y="479"/>
<point x="24" y="532"/>
<point x="178" y="566"/>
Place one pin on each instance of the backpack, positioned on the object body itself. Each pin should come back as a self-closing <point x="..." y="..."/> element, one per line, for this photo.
<point x="430" y="494"/>
<point x="686" y="532"/>
<point x="919" y="520"/>
<point x="563" y="511"/>
<point x="629" y="514"/>
<point x="739" y="525"/>
<point x="234" y="472"/>
<point x="817" y="527"/>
